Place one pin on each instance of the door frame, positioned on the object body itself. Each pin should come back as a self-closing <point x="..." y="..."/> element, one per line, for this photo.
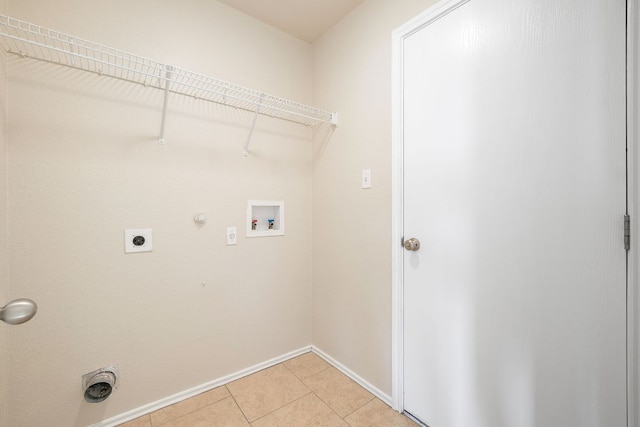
<point x="399" y="35"/>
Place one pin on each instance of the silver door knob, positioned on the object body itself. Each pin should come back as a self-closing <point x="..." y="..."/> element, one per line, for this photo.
<point x="412" y="244"/>
<point x="18" y="311"/>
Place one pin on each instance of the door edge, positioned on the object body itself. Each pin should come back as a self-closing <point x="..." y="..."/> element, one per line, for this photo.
<point x="633" y="194"/>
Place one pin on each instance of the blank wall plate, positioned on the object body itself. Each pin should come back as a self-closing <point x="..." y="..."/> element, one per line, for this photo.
<point x="138" y="240"/>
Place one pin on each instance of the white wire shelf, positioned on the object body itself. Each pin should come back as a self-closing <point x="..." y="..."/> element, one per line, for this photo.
<point x="33" y="41"/>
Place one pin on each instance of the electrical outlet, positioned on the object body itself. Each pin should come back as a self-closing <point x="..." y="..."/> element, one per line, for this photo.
<point x="138" y="240"/>
<point x="366" y="178"/>
<point x="232" y="236"/>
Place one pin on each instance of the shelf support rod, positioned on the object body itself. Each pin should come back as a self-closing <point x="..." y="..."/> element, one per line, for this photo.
<point x="167" y="84"/>
<point x="253" y="126"/>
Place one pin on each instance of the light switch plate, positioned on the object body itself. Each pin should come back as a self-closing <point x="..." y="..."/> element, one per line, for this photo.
<point x="366" y="178"/>
<point x="138" y="240"/>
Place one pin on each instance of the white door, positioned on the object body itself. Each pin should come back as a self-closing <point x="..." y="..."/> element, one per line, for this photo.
<point x="514" y="184"/>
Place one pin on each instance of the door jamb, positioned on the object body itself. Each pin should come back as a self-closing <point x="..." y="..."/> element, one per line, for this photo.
<point x="397" y="227"/>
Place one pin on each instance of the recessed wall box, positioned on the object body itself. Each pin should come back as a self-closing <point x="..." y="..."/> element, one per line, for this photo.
<point x="265" y="218"/>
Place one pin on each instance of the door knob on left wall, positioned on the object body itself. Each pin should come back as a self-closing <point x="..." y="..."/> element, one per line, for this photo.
<point x="18" y="311"/>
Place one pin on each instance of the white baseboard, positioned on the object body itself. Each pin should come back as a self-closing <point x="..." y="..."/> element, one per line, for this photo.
<point x="178" y="397"/>
<point x="357" y="378"/>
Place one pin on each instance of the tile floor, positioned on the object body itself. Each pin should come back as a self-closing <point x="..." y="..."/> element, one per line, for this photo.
<point x="303" y="391"/>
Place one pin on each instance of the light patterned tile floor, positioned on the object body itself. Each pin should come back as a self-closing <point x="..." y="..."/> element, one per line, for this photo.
<point x="303" y="391"/>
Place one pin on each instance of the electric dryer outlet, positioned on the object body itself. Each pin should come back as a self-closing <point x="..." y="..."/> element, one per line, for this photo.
<point x="138" y="240"/>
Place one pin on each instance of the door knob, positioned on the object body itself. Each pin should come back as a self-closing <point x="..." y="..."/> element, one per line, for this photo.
<point x="412" y="244"/>
<point x="18" y="311"/>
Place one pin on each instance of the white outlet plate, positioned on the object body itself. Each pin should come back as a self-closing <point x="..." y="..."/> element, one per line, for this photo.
<point x="232" y="236"/>
<point x="138" y="240"/>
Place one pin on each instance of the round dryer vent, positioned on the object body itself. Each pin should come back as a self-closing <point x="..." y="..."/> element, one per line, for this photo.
<point x="99" y="384"/>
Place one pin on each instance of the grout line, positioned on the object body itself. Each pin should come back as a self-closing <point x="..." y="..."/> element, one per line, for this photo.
<point x="352" y="375"/>
<point x="236" y="402"/>
<point x="361" y="406"/>
<point x="198" y="408"/>
<point x="349" y="378"/>
<point x="286" y="404"/>
<point x="309" y="376"/>
<point x="330" y="407"/>
<point x="279" y="407"/>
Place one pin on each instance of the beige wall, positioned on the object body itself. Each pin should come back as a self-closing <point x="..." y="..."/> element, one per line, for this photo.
<point x="351" y="226"/>
<point x="85" y="164"/>
<point x="4" y="274"/>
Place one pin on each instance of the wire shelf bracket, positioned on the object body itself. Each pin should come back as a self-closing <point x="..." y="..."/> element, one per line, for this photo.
<point x="165" y="102"/>
<point x="253" y="126"/>
<point x="32" y="41"/>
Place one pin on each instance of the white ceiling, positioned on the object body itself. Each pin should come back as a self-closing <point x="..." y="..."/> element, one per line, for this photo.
<point x="304" y="19"/>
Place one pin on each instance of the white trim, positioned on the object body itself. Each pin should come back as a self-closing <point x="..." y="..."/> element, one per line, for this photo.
<point x="397" y="203"/>
<point x="397" y="226"/>
<point x="357" y="378"/>
<point x="178" y="397"/>
<point x="427" y="17"/>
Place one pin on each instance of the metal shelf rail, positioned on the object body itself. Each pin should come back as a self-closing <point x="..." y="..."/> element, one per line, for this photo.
<point x="33" y="41"/>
